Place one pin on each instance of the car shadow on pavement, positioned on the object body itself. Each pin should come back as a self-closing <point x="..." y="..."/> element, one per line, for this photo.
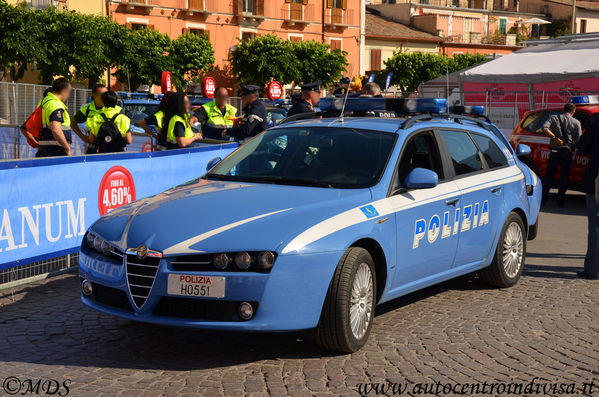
<point x="49" y="325"/>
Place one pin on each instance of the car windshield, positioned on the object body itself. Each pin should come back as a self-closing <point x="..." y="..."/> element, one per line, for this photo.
<point x="139" y="112"/>
<point x="310" y="156"/>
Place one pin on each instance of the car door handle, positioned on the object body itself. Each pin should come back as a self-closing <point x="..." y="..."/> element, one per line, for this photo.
<point x="452" y="202"/>
<point x="496" y="189"/>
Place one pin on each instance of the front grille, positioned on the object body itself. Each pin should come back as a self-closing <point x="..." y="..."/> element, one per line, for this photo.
<point x="199" y="309"/>
<point x="111" y="297"/>
<point x="140" y="277"/>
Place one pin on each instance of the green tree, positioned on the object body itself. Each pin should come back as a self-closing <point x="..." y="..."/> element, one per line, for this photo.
<point x="191" y="57"/>
<point x="144" y="58"/>
<point x="20" y="40"/>
<point x="57" y="50"/>
<point x="412" y="69"/>
<point x="100" y="44"/>
<point x="266" y="57"/>
<point x="318" y="62"/>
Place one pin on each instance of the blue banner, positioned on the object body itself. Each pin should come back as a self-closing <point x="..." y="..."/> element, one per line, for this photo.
<point x="388" y="82"/>
<point x="47" y="204"/>
<point x="371" y="78"/>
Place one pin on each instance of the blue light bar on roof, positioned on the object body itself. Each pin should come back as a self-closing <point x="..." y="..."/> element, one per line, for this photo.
<point x="477" y="110"/>
<point x="585" y="100"/>
<point x="398" y="105"/>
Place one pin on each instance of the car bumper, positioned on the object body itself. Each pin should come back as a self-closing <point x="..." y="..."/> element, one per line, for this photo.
<point x="288" y="298"/>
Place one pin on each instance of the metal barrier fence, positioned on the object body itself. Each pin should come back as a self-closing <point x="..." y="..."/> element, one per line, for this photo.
<point x="17" y="101"/>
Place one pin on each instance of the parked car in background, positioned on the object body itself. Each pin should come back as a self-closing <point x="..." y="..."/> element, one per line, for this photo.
<point x="530" y="131"/>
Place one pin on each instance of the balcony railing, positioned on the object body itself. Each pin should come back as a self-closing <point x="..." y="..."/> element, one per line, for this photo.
<point x="148" y="4"/>
<point x="41" y="4"/>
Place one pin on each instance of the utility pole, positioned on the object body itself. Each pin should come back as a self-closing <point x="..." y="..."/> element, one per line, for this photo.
<point x="573" y="30"/>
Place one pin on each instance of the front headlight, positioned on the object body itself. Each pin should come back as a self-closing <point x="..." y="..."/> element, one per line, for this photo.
<point x="98" y="244"/>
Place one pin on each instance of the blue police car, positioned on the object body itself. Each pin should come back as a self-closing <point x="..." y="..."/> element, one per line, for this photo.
<point x="313" y="223"/>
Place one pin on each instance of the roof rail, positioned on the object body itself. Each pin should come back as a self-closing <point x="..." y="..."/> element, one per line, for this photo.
<point x="458" y="118"/>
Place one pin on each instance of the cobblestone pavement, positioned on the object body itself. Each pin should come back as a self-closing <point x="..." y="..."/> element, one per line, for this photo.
<point x="547" y="326"/>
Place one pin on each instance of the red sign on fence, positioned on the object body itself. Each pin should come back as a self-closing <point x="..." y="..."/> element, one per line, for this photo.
<point x="166" y="82"/>
<point x="274" y="90"/>
<point x="208" y="87"/>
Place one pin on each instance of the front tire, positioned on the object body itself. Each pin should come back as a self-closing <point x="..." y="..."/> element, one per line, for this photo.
<point x="508" y="262"/>
<point x="348" y="311"/>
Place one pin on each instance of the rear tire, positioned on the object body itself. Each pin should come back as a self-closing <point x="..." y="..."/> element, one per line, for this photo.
<point x="508" y="262"/>
<point x="348" y="311"/>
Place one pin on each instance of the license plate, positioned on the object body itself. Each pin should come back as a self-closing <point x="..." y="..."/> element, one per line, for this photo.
<point x="188" y="285"/>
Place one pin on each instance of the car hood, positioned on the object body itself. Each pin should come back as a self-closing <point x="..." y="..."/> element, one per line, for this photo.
<point x="215" y="216"/>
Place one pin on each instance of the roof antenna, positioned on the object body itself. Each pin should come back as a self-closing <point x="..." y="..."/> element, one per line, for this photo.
<point x="344" y="102"/>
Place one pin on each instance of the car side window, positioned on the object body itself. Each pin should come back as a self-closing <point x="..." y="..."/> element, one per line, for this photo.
<point x="531" y="121"/>
<point x="421" y="151"/>
<point x="491" y="152"/>
<point x="463" y="152"/>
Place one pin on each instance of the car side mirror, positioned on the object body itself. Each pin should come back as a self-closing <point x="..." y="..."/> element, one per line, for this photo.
<point x="421" y="178"/>
<point x="523" y="150"/>
<point x="213" y="163"/>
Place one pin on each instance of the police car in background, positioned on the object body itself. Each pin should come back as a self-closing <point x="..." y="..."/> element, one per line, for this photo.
<point x="324" y="219"/>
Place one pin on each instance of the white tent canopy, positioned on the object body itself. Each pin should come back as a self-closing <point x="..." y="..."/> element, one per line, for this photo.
<point x="541" y="63"/>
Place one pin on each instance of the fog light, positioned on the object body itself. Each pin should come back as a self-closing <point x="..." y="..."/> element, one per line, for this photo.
<point x="266" y="260"/>
<point x="246" y="310"/>
<point x="90" y="240"/>
<point x="86" y="287"/>
<point x="243" y="260"/>
<point x="221" y="261"/>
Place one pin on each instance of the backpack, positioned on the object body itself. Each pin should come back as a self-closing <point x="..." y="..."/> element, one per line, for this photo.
<point x="35" y="123"/>
<point x="109" y="139"/>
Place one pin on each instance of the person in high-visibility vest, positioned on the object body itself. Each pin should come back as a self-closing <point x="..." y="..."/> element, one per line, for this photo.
<point x="156" y="120"/>
<point x="87" y="112"/>
<point x="109" y="112"/>
<point x="216" y="115"/>
<point x="55" y="137"/>
<point x="175" y="125"/>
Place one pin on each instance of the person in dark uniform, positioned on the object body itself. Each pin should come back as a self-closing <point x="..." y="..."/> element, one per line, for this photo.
<point x="565" y="132"/>
<point x="589" y="145"/>
<point x="310" y="98"/>
<point x="343" y="86"/>
<point x="255" y="115"/>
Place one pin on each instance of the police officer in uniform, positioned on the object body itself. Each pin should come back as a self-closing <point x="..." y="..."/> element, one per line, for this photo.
<point x="343" y="86"/>
<point x="55" y="137"/>
<point x="216" y="115"/>
<point x="310" y="98"/>
<point x="87" y="112"/>
<point x="255" y="115"/>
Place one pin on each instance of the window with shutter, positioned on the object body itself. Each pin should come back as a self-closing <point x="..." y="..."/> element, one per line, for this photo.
<point x="336" y="44"/>
<point x="375" y="59"/>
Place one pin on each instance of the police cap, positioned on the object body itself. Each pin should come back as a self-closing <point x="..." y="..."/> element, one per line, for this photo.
<point x="315" y="86"/>
<point x="249" y="89"/>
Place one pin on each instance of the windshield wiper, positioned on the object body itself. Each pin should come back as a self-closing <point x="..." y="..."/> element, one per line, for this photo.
<point x="279" y="180"/>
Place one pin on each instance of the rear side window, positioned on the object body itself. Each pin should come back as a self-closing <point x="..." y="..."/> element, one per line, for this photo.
<point x="531" y="121"/>
<point x="491" y="152"/>
<point x="546" y="116"/>
<point x="463" y="152"/>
